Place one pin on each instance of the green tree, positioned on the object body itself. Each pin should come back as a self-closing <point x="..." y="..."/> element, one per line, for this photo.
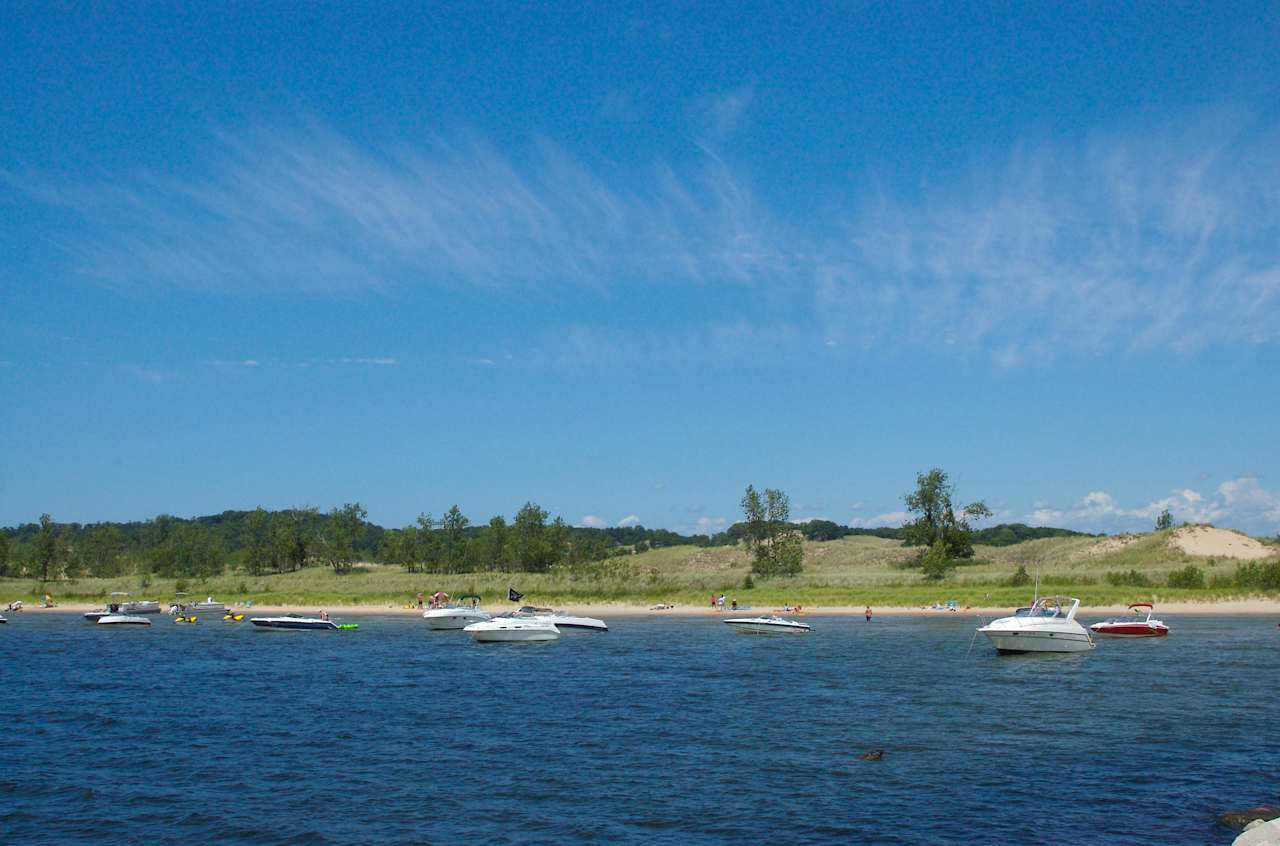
<point x="46" y="547"/>
<point x="103" y="550"/>
<point x="531" y="550"/>
<point x="936" y="563"/>
<point x="1164" y="521"/>
<point x="776" y="547"/>
<point x="427" y="552"/>
<point x="257" y="542"/>
<point x="494" y="545"/>
<point x="938" y="520"/>
<point x="344" y="528"/>
<point x="4" y="553"/>
<point x="454" y="534"/>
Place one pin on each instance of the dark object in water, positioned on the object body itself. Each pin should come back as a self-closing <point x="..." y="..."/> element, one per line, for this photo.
<point x="873" y="755"/>
<point x="1239" y="819"/>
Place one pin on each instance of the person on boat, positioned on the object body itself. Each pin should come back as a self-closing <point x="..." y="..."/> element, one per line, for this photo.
<point x="324" y="615"/>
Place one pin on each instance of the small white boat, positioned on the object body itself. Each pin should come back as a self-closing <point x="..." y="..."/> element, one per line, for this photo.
<point x="2" y="619"/>
<point x="456" y="615"/>
<point x="123" y="620"/>
<point x="1049" y="625"/>
<point x="560" y="619"/>
<point x="768" y="625"/>
<point x="512" y="630"/>
<point x="294" y="623"/>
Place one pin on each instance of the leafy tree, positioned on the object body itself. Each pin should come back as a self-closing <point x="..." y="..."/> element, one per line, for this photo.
<point x="777" y="549"/>
<point x="453" y="525"/>
<point x="4" y="553"/>
<point x="46" y="547"/>
<point x="103" y="549"/>
<point x="938" y="521"/>
<point x="190" y="550"/>
<point x="427" y="550"/>
<point x="493" y="545"/>
<point x="936" y="563"/>
<point x="532" y="548"/>
<point x="257" y="542"/>
<point x="345" y="527"/>
<point x="1164" y="521"/>
<point x="1190" y="576"/>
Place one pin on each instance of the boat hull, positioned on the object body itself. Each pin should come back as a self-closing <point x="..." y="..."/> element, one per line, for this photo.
<point x="1033" y="641"/>
<point x="768" y="629"/>
<point x="296" y="623"/>
<point x="123" y="620"/>
<point x="1129" y="630"/>
<point x="514" y="635"/>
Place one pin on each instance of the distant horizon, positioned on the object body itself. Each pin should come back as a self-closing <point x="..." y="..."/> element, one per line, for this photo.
<point x="477" y="520"/>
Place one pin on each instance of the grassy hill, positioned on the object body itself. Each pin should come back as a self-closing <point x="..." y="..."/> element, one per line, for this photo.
<point x="847" y="571"/>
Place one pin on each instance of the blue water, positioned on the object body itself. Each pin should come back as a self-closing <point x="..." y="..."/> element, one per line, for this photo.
<point x="662" y="731"/>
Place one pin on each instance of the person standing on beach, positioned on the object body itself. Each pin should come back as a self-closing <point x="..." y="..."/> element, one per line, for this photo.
<point x="868" y="613"/>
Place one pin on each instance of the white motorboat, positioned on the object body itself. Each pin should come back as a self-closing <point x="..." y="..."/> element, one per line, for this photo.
<point x="2" y="619"/>
<point x="290" y="622"/>
<point x="1049" y="625"/>
<point x="456" y="615"/>
<point x="117" y="619"/>
<point x="768" y="625"/>
<point x="512" y="630"/>
<point x="560" y="619"/>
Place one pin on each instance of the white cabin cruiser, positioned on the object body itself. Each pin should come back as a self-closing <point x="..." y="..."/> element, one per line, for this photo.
<point x="560" y="619"/>
<point x="456" y="615"/>
<point x="768" y="625"/>
<point x="1049" y="625"/>
<point x="512" y="630"/>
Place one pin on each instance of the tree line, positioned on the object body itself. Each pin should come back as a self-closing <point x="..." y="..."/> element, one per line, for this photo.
<point x="262" y="542"/>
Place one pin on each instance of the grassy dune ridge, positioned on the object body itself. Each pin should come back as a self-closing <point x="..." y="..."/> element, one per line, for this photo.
<point x="849" y="571"/>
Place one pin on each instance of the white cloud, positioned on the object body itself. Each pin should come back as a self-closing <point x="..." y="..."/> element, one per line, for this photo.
<point x="892" y="519"/>
<point x="629" y="520"/>
<point x="1238" y="503"/>
<point x="385" y="361"/>
<point x="591" y="521"/>
<point x="710" y="525"/>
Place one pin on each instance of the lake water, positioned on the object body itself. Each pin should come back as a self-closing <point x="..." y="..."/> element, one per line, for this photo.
<point x="662" y="730"/>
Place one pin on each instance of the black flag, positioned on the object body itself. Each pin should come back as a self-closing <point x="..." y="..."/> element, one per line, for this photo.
<point x="513" y="596"/>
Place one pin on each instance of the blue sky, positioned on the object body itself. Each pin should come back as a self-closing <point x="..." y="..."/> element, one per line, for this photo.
<point x="624" y="261"/>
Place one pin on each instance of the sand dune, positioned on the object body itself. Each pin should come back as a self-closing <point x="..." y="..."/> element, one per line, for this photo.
<point x="1220" y="543"/>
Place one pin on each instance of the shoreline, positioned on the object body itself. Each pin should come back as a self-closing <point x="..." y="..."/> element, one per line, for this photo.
<point x="1235" y="607"/>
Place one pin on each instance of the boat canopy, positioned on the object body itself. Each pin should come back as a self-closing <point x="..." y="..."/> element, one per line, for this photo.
<point x="467" y="596"/>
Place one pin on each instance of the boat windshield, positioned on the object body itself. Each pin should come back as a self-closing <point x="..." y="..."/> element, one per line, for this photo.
<point x="1038" y="611"/>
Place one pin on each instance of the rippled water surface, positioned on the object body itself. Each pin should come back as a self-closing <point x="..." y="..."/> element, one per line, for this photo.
<point x="663" y="730"/>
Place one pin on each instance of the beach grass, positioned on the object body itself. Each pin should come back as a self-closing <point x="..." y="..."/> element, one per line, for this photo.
<point x="850" y="571"/>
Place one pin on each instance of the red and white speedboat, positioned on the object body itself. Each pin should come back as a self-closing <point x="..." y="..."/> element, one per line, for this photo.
<point x="1133" y="625"/>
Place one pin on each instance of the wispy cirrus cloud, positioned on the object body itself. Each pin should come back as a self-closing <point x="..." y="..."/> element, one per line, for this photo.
<point x="1134" y="239"/>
